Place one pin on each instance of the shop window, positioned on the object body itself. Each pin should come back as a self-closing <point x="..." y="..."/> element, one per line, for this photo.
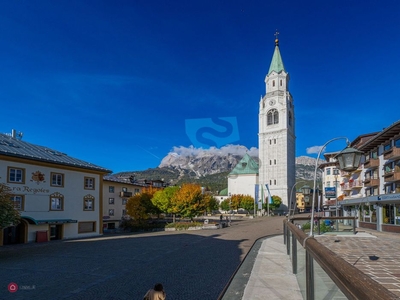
<point x="18" y="202"/>
<point x="84" y="227"/>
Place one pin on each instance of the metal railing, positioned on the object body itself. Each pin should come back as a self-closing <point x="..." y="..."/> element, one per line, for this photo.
<point x="331" y="277"/>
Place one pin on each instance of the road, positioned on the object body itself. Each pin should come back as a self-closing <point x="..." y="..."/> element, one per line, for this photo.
<point x="190" y="264"/>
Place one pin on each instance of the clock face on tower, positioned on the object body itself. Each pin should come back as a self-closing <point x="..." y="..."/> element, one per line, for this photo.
<point x="271" y="102"/>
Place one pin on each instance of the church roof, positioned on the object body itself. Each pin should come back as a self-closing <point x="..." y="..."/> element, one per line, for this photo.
<point x="277" y="62"/>
<point x="223" y="192"/>
<point x="247" y="165"/>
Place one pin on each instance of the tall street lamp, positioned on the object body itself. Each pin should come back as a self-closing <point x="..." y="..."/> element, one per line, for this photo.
<point x="230" y="209"/>
<point x="349" y="160"/>
<point x="336" y="173"/>
<point x="306" y="190"/>
<point x="290" y="202"/>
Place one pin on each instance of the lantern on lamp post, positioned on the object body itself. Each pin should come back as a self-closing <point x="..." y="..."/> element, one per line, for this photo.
<point x="349" y="161"/>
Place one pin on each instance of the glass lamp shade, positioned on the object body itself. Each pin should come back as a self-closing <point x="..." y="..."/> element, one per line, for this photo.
<point x="349" y="159"/>
<point x="306" y="190"/>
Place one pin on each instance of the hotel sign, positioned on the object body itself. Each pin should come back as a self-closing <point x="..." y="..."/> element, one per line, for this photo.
<point x="330" y="192"/>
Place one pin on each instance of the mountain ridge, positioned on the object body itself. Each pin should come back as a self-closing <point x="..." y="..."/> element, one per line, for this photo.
<point x="210" y="167"/>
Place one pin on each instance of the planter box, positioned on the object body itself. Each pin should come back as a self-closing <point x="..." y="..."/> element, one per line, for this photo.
<point x="194" y="228"/>
<point x="211" y="227"/>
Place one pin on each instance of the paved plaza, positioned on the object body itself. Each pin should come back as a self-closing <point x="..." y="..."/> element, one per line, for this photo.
<point x="190" y="264"/>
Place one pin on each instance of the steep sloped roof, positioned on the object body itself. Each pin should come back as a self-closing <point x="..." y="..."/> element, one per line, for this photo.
<point x="247" y="165"/>
<point x="277" y="62"/>
<point x="11" y="146"/>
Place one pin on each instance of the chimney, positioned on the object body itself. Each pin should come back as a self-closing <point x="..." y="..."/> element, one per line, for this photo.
<point x="13" y="133"/>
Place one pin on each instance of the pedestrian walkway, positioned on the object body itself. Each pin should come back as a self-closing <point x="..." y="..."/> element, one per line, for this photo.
<point x="266" y="272"/>
<point x="272" y="277"/>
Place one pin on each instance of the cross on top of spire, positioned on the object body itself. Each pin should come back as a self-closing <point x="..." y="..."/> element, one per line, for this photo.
<point x="276" y="37"/>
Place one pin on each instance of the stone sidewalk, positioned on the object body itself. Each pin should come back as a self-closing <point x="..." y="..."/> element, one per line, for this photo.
<point x="266" y="272"/>
<point x="374" y="253"/>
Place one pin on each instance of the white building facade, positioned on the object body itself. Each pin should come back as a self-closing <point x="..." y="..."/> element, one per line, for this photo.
<point x="58" y="196"/>
<point x="243" y="179"/>
<point x="277" y="132"/>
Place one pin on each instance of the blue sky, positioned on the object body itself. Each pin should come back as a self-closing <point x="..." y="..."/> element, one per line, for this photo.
<point x="121" y="83"/>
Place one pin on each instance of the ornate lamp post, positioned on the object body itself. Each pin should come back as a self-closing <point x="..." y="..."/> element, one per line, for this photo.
<point x="349" y="160"/>
<point x="336" y="173"/>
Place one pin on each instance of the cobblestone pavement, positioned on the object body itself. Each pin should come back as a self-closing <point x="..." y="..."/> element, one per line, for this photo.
<point x="190" y="264"/>
<point x="374" y="253"/>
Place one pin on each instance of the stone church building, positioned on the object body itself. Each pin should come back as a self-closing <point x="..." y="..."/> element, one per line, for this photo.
<point x="276" y="138"/>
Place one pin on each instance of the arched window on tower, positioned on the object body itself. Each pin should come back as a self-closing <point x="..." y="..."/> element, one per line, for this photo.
<point x="272" y="117"/>
<point x="281" y="82"/>
<point x="273" y="82"/>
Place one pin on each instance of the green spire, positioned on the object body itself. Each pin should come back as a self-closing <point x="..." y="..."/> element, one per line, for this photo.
<point x="276" y="63"/>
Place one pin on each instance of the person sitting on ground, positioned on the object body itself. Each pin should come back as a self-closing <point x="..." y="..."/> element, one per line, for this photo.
<point x="156" y="293"/>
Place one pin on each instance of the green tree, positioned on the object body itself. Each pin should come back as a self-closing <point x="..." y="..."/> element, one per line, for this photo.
<point x="8" y="214"/>
<point x="276" y="202"/>
<point x="163" y="199"/>
<point x="247" y="202"/>
<point x="225" y="204"/>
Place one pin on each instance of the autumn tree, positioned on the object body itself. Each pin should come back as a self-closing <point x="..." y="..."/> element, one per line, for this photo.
<point x="188" y="201"/>
<point x="140" y="206"/>
<point x="8" y="214"/>
<point x="235" y="201"/>
<point x="210" y="202"/>
<point x="241" y="201"/>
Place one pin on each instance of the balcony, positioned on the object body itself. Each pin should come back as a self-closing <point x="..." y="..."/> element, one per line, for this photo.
<point x="392" y="176"/>
<point x="371" y="163"/>
<point x="125" y="194"/>
<point x="356" y="184"/>
<point x="345" y="174"/>
<point x="371" y="182"/>
<point x="345" y="187"/>
<point x="392" y="153"/>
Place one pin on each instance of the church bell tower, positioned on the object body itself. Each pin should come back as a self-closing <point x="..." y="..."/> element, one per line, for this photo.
<point x="276" y="137"/>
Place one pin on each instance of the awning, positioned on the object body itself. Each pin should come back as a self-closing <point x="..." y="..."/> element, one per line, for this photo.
<point x="50" y="221"/>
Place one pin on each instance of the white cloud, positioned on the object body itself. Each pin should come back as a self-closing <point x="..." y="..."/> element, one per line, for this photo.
<point x="314" y="149"/>
<point x="223" y="151"/>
